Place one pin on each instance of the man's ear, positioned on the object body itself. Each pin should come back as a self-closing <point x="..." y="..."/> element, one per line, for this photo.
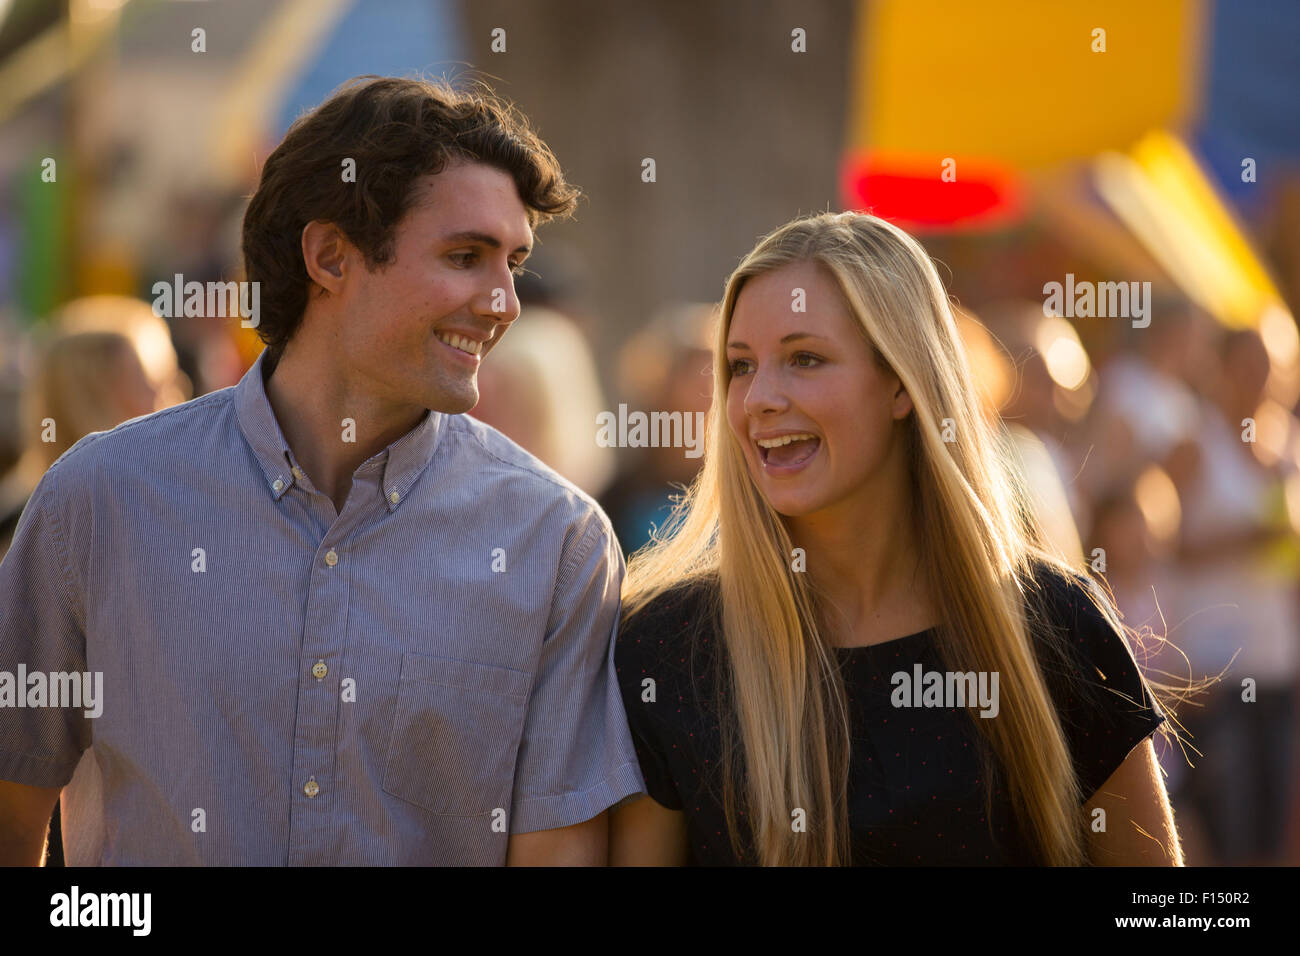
<point x="324" y="251"/>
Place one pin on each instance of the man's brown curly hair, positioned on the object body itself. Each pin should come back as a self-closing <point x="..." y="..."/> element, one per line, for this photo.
<point x="396" y="130"/>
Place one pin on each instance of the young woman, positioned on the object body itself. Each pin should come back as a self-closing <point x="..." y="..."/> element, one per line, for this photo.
<point x="850" y="645"/>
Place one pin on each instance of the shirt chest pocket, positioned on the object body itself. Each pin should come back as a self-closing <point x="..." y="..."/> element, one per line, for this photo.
<point x="456" y="733"/>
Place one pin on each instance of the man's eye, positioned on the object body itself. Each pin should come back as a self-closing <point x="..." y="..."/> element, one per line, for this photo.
<point x="518" y="270"/>
<point x="459" y="257"/>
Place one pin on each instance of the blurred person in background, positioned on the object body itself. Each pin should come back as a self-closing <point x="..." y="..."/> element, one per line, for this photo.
<point x="12" y="493"/>
<point x="197" y="240"/>
<point x="1146" y="409"/>
<point x="103" y="360"/>
<point x="150" y="338"/>
<point x="1239" y="555"/>
<point x="1134" y="560"/>
<point x="1018" y="399"/>
<point x="540" y="389"/>
<point x="665" y="367"/>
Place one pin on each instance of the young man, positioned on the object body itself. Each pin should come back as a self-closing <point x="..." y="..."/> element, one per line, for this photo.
<point x="337" y="621"/>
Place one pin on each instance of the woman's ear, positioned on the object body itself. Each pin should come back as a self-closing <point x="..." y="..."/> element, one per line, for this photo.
<point x="902" y="401"/>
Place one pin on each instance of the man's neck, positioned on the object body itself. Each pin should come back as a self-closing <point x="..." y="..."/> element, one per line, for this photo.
<point x="312" y="399"/>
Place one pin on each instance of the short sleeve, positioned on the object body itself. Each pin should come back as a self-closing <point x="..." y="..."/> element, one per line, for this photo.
<point x="576" y="758"/>
<point x="42" y="649"/>
<point x="637" y="660"/>
<point x="1105" y="704"/>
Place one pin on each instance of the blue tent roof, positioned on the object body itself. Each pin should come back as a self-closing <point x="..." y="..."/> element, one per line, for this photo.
<point x="385" y="37"/>
<point x="1252" y="94"/>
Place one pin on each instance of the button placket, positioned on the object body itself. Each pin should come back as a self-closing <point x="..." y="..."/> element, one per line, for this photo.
<point x="324" y="641"/>
<point x="324" y="644"/>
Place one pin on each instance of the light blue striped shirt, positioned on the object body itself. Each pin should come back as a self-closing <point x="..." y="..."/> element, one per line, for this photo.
<point x="405" y="683"/>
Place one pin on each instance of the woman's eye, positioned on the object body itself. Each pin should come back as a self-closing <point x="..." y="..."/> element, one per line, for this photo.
<point x="738" y="366"/>
<point x="808" y="355"/>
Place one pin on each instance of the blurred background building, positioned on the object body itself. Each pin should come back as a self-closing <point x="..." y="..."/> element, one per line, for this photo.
<point x="1023" y="143"/>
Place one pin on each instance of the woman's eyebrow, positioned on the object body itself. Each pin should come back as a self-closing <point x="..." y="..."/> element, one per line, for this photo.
<point x="787" y="338"/>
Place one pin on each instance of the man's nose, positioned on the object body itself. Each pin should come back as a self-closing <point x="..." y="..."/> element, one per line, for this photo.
<point x="497" y="300"/>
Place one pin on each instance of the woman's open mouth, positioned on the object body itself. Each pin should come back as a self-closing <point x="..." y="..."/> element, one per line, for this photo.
<point x="787" y="454"/>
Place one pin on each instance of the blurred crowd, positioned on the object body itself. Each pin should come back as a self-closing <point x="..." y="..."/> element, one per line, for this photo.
<point x="1168" y="466"/>
<point x="1165" y="459"/>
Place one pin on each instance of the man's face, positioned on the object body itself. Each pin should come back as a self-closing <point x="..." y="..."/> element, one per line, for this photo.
<point x="451" y="279"/>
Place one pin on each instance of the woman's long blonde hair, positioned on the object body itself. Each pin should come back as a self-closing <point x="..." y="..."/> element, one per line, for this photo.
<point x="786" y="733"/>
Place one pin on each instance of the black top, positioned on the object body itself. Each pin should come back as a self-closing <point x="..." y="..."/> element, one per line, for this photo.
<point x="915" y="790"/>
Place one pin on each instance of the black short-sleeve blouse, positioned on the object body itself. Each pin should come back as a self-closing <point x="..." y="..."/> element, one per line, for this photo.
<point x="915" y="790"/>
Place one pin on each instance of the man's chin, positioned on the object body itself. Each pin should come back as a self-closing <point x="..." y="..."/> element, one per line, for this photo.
<point x="455" y="403"/>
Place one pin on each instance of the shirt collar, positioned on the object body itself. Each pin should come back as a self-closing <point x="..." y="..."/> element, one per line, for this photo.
<point x="403" y="461"/>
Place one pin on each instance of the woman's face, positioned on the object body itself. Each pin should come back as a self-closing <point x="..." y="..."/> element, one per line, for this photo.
<point x="133" y="392"/>
<point x="810" y="374"/>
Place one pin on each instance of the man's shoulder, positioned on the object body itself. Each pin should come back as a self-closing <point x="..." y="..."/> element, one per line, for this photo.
<point x="174" y="431"/>
<point x="535" y="480"/>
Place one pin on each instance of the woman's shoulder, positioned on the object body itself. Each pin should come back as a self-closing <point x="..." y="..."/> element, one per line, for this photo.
<point x="1104" y="701"/>
<point x="1074" y="625"/>
<point x="683" y="606"/>
<point x="667" y="625"/>
<point x="1070" y="600"/>
<point x="663" y="653"/>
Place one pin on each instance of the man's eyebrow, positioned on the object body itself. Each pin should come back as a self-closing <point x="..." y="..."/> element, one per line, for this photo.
<point x="788" y="338"/>
<point x="483" y="238"/>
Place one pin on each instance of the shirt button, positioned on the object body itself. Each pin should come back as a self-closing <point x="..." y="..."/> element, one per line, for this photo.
<point x="277" y="485"/>
<point x="319" y="670"/>
<point x="311" y="788"/>
<point x="331" y="557"/>
<point x="394" y="497"/>
<point x="298" y="473"/>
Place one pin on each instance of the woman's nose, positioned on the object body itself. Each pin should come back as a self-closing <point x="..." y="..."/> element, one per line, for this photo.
<point x="765" y="393"/>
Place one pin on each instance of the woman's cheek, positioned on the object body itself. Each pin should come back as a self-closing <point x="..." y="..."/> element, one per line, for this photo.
<point x="736" y="413"/>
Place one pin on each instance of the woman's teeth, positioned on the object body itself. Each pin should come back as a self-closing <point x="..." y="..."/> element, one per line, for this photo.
<point x="460" y="342"/>
<point x="787" y="451"/>
<point x="782" y="440"/>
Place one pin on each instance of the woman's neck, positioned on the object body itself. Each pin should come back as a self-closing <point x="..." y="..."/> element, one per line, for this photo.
<point x="862" y="559"/>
